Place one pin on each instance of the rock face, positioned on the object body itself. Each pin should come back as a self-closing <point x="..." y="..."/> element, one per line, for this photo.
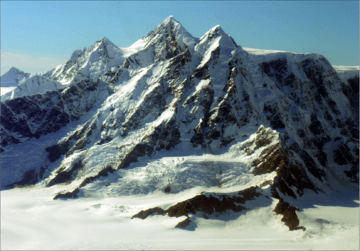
<point x="207" y="204"/>
<point x="33" y="116"/>
<point x="290" y="218"/>
<point x="293" y="116"/>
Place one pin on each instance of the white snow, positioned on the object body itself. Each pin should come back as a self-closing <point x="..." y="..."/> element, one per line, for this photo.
<point x="5" y="90"/>
<point x="35" y="84"/>
<point x="212" y="40"/>
<point x="261" y="55"/>
<point x="100" y="219"/>
<point x="31" y="220"/>
<point x="138" y="45"/>
<point x="13" y="77"/>
<point x="202" y="84"/>
<point x="346" y="72"/>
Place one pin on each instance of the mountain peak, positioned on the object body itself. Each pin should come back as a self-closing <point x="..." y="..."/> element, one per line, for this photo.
<point x="12" y="77"/>
<point x="216" y="31"/>
<point x="218" y="36"/>
<point x="169" y="19"/>
<point x="171" y="29"/>
<point x="103" y="53"/>
<point x="14" y="69"/>
<point x="217" y="28"/>
<point x="167" y="25"/>
<point x="105" y="41"/>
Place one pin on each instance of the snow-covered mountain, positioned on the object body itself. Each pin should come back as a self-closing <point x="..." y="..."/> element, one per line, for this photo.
<point x="13" y="77"/>
<point x="35" y="84"/>
<point x="173" y="112"/>
<point x="90" y="63"/>
<point x="86" y="64"/>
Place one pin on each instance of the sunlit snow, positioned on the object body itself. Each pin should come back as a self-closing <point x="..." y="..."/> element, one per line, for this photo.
<point x="100" y="219"/>
<point x="31" y="220"/>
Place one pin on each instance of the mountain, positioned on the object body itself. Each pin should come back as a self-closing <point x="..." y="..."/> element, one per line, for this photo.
<point x="13" y="77"/>
<point x="173" y="112"/>
<point x="85" y="64"/>
<point x="34" y="84"/>
<point x="89" y="63"/>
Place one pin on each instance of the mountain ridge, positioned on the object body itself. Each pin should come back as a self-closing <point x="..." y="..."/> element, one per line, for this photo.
<point x="287" y="122"/>
<point x="12" y="77"/>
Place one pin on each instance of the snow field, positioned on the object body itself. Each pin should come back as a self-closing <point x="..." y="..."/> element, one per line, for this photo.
<point x="35" y="221"/>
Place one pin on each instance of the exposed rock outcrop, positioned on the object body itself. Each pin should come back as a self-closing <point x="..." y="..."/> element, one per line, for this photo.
<point x="206" y="204"/>
<point x="289" y="212"/>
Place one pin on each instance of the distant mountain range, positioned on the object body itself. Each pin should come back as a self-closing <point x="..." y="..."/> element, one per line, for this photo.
<point x="272" y="123"/>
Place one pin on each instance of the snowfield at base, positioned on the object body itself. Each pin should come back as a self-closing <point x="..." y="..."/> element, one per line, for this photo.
<point x="34" y="221"/>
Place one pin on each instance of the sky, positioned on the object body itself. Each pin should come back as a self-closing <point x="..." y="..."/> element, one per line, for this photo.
<point x="37" y="36"/>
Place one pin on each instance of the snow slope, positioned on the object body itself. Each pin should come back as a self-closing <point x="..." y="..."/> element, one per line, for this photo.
<point x="35" y="84"/>
<point x="13" y="77"/>
<point x="5" y="90"/>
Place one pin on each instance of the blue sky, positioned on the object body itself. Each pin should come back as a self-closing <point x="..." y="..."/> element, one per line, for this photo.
<point x="39" y="35"/>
